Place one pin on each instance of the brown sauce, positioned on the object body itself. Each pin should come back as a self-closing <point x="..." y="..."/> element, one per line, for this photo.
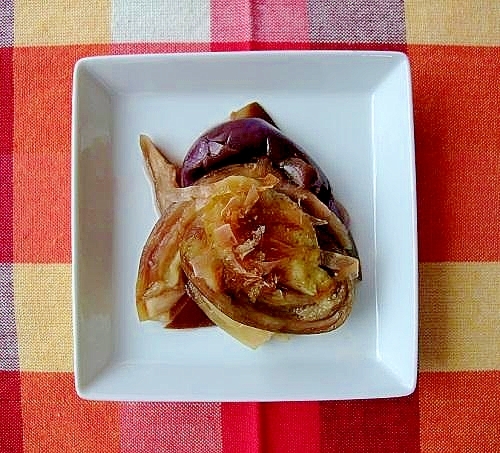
<point x="191" y="316"/>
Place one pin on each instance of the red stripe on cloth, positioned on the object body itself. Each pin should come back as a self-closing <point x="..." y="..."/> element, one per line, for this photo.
<point x="236" y="46"/>
<point x="6" y="207"/>
<point x="55" y="419"/>
<point x="457" y="110"/>
<point x="460" y="411"/>
<point x="257" y="45"/>
<point x="11" y="421"/>
<point x="231" y="46"/>
<point x="291" y="427"/>
<point x="173" y="427"/>
<point x="241" y="428"/>
<point x="6" y="152"/>
<point x="369" y="426"/>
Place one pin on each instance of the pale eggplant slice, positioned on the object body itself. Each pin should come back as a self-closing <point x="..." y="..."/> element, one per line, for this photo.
<point x="252" y="110"/>
<point x="162" y="172"/>
<point x="249" y="336"/>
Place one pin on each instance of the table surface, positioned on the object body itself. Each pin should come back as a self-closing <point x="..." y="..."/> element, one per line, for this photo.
<point x="454" y="52"/>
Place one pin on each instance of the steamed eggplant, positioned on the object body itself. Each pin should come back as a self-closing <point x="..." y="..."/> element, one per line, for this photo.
<point x="251" y="232"/>
<point x="246" y="139"/>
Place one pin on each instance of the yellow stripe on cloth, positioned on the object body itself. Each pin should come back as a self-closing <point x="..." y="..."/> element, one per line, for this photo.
<point x="42" y="298"/>
<point x="459" y="316"/>
<point x="59" y="22"/>
<point x="461" y="22"/>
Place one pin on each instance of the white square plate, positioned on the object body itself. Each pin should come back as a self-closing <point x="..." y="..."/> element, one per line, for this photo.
<point x="352" y="112"/>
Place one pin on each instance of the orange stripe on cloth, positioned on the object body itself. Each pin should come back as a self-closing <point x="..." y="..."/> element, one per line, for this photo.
<point x="457" y="109"/>
<point x="42" y="207"/>
<point x="459" y="316"/>
<point x="459" y="412"/>
<point x="55" y="419"/>
<point x="42" y="150"/>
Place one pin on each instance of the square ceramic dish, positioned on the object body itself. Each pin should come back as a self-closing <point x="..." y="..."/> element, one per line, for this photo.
<point x="352" y="112"/>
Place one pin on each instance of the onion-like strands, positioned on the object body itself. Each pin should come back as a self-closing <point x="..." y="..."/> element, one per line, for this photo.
<point x="160" y="281"/>
<point x="311" y="205"/>
<point x="198" y="213"/>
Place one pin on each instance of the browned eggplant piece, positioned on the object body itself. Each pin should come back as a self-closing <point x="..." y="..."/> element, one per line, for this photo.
<point x="260" y="264"/>
<point x="246" y="139"/>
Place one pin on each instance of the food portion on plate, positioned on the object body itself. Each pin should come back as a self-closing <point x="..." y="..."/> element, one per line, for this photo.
<point x="250" y="237"/>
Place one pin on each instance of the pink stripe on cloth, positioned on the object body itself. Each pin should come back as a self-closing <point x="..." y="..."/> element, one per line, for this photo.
<point x="173" y="427"/>
<point x="231" y="24"/>
<point x="249" y="22"/>
<point x="280" y="20"/>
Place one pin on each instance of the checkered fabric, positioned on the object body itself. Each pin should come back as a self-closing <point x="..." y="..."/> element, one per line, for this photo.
<point x="454" y="51"/>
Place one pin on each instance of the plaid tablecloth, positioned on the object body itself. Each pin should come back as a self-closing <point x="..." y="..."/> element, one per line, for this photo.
<point x="454" y="50"/>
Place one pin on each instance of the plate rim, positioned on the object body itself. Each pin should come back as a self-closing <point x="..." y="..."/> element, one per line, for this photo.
<point x="84" y="391"/>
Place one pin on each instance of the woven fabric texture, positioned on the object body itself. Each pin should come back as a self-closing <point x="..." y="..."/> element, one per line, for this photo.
<point x="454" y="52"/>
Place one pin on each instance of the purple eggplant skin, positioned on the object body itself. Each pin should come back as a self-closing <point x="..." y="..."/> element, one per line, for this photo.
<point x="244" y="140"/>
